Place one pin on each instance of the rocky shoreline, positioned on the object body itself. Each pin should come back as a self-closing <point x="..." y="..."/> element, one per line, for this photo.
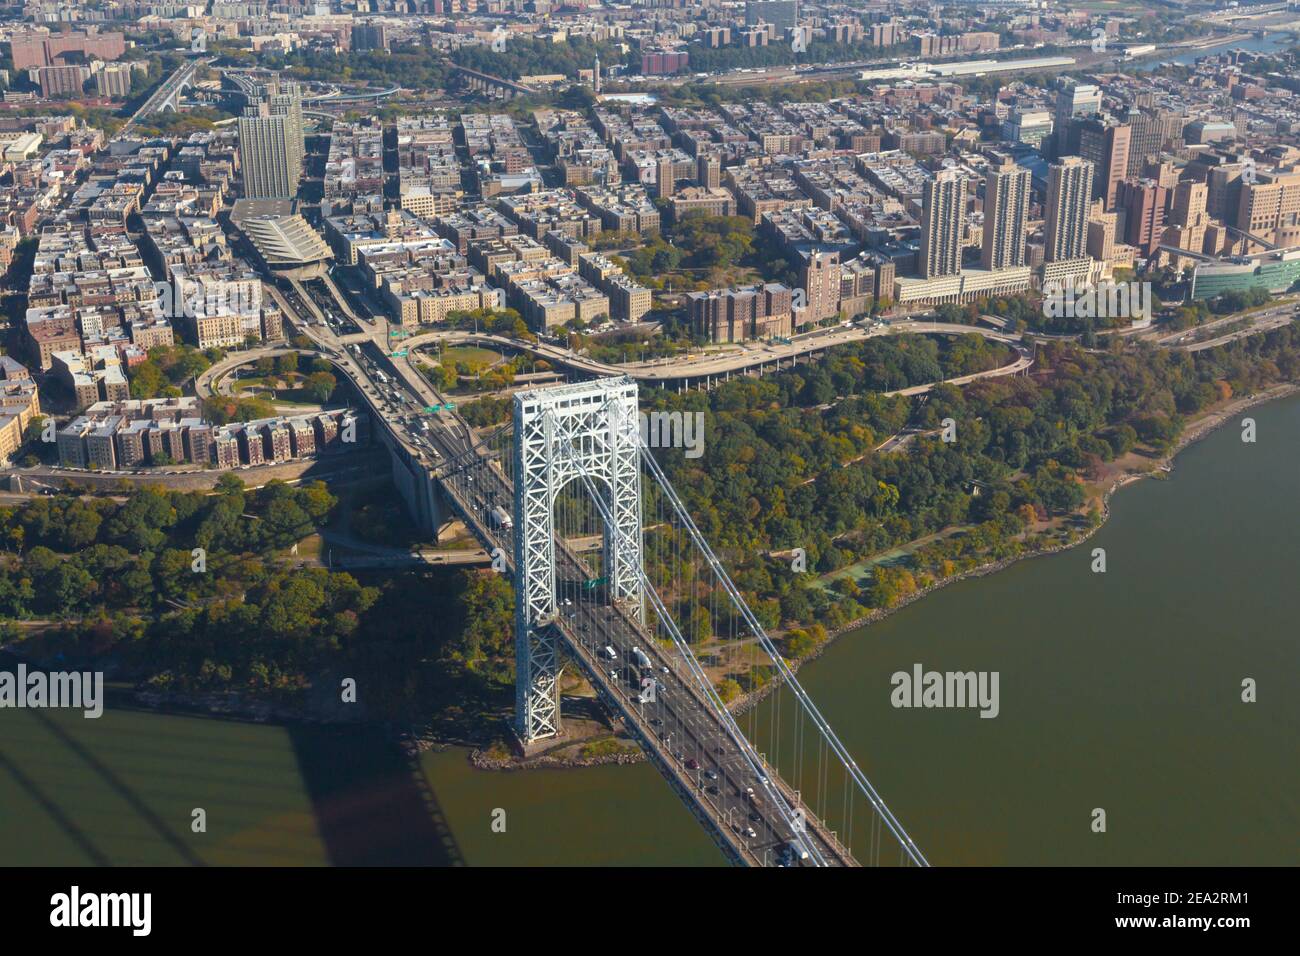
<point x="483" y="760"/>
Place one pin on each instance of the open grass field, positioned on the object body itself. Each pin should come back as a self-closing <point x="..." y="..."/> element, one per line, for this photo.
<point x="471" y="356"/>
<point x="259" y="387"/>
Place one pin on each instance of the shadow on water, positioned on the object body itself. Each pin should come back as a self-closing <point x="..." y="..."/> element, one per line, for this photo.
<point x="373" y="805"/>
<point x="50" y="806"/>
<point x="49" y="802"/>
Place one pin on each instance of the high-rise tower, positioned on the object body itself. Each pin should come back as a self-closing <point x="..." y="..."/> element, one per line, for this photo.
<point x="1006" y="208"/>
<point x="271" y="142"/>
<point x="942" y="218"/>
<point x="1069" y="191"/>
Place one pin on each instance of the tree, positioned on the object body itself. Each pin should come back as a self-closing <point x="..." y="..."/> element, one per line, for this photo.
<point x="80" y="527"/>
<point x="320" y="386"/>
<point x="147" y="379"/>
<point x="699" y="624"/>
<point x="728" y="690"/>
<point x="35" y="429"/>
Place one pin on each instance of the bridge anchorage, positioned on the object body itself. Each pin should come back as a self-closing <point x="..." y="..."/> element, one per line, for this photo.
<point x="658" y="628"/>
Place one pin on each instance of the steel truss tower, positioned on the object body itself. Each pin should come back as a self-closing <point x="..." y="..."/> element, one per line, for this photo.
<point x="559" y="434"/>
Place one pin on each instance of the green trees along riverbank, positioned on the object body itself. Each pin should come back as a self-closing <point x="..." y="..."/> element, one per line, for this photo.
<point x="792" y="461"/>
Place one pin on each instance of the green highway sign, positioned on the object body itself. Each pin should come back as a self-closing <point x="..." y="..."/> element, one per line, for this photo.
<point x="450" y="406"/>
<point x="432" y="408"/>
<point x="400" y="353"/>
<point x="592" y="583"/>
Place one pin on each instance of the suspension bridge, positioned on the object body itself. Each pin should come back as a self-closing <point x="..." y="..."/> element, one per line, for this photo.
<point x="654" y="622"/>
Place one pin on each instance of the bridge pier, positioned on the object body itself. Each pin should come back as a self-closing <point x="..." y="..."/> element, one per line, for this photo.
<point x="419" y="493"/>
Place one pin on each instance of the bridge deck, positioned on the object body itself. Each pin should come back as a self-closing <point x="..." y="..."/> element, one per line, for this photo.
<point x="741" y="799"/>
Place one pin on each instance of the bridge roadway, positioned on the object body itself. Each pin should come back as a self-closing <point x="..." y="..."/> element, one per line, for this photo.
<point x="488" y="80"/>
<point x="742" y="798"/>
<point x="679" y="725"/>
<point x="161" y="97"/>
<point x="338" y="96"/>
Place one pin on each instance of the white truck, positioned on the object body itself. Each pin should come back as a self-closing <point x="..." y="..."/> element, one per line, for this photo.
<point x="641" y="657"/>
<point x="501" y="518"/>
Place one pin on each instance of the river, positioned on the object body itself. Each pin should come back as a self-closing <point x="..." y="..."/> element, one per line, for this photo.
<point x="1119" y="691"/>
<point x="1269" y="43"/>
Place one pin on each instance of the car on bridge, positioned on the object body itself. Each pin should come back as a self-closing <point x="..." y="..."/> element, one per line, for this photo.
<point x="789" y="854"/>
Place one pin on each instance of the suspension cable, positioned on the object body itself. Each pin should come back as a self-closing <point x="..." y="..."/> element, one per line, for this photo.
<point x="896" y="828"/>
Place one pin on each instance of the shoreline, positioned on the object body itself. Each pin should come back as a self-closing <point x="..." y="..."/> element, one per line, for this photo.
<point x="230" y="707"/>
<point x="1164" y="466"/>
<point x="1193" y="433"/>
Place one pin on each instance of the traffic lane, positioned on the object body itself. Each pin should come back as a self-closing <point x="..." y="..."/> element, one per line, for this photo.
<point x="736" y="799"/>
<point x="625" y="683"/>
<point x="738" y="777"/>
<point x="632" y="675"/>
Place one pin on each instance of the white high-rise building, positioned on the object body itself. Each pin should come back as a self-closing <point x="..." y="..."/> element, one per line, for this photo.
<point x="943" y="216"/>
<point x="1073" y="101"/>
<point x="1069" y="193"/>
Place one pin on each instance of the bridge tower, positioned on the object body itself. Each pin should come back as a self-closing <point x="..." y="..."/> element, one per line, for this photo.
<point x="559" y="433"/>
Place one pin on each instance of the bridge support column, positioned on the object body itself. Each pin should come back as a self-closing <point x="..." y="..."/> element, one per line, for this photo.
<point x="419" y="493"/>
<point x="561" y="434"/>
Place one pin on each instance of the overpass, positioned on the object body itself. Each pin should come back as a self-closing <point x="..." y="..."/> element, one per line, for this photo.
<point x="491" y="85"/>
<point x="1023" y="362"/>
<point x="1251" y="237"/>
<point x="338" y="96"/>
<point x="391" y="403"/>
<point x="706" y="369"/>
<point x="167" y="96"/>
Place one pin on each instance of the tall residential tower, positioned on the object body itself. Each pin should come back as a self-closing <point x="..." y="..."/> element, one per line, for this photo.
<point x="1069" y="191"/>
<point x="943" y="217"/>
<point x="271" y="142"/>
<point x="1006" y="208"/>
